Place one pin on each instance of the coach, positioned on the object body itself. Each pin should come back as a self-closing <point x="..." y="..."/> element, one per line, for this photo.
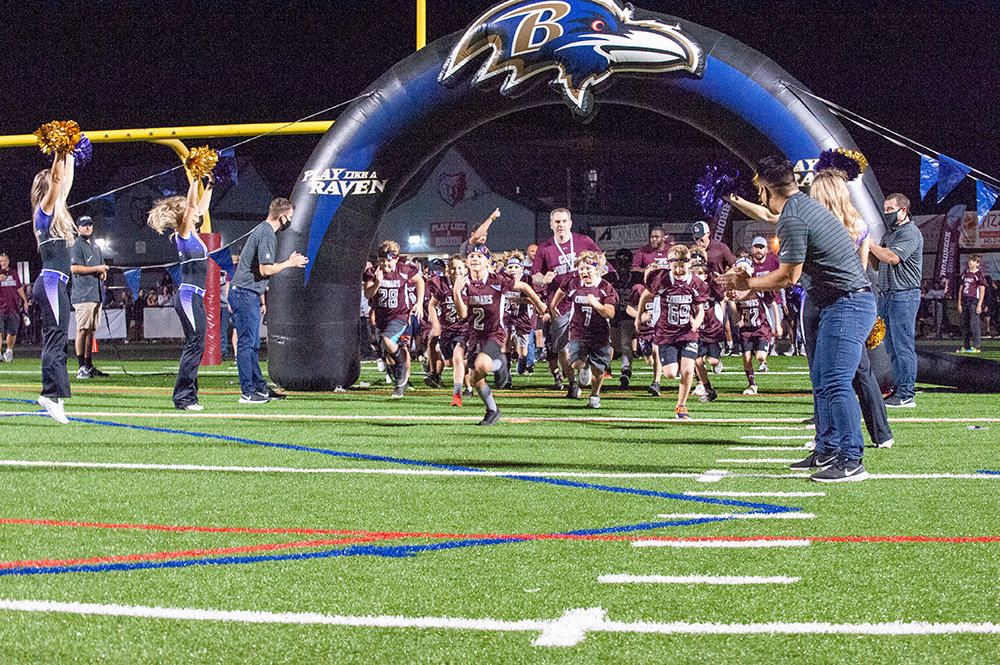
<point x="814" y="242"/>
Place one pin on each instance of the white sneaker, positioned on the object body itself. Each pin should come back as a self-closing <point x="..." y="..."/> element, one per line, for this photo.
<point x="54" y="407"/>
<point x="718" y="368"/>
<point x="763" y="368"/>
<point x="751" y="390"/>
<point x="380" y="364"/>
<point x="389" y="379"/>
<point x="699" y="390"/>
<point x="83" y="373"/>
<point x="191" y="407"/>
<point x="594" y="402"/>
<point x="585" y="377"/>
<point x="885" y="444"/>
<point x="8" y="356"/>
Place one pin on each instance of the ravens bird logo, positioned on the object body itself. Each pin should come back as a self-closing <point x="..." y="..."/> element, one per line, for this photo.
<point x="582" y="41"/>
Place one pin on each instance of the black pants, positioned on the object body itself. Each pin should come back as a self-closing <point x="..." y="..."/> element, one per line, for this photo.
<point x="50" y="294"/>
<point x="970" y="322"/>
<point x="190" y="307"/>
<point x="865" y="384"/>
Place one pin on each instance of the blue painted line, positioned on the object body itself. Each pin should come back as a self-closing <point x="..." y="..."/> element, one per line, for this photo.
<point x="19" y="401"/>
<point x="992" y="473"/>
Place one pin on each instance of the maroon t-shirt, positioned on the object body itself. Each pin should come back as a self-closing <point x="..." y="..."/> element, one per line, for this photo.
<point x="720" y="257"/>
<point x="452" y="324"/>
<point x="562" y="260"/>
<point x="678" y="300"/>
<point x="971" y="281"/>
<point x="712" y="331"/>
<point x="768" y="265"/>
<point x="10" y="302"/>
<point x="518" y="313"/>
<point x="485" y="302"/>
<point x="645" y="330"/>
<point x="586" y="325"/>
<point x="390" y="302"/>
<point x="753" y="312"/>
<point x="646" y="255"/>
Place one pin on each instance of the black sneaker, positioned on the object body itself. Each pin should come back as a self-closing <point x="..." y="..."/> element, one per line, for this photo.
<point x="432" y="380"/>
<point x="255" y="398"/>
<point x="842" y="471"/>
<point x="95" y="372"/>
<point x="709" y="396"/>
<point x="654" y="389"/>
<point x="814" y="461"/>
<point x="574" y="390"/>
<point x="274" y="394"/>
<point x="895" y="402"/>
<point x="399" y="391"/>
<point x="557" y="383"/>
<point x="490" y="418"/>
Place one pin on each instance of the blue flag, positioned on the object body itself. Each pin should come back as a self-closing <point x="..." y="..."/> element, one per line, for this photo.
<point x="928" y="174"/>
<point x="986" y="196"/>
<point x="950" y="173"/>
<point x="175" y="274"/>
<point x="132" y="279"/>
<point x="225" y="171"/>
<point x="224" y="260"/>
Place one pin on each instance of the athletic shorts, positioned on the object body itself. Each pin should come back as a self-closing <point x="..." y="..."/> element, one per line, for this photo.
<point x="447" y="345"/>
<point x="755" y="344"/>
<point x="710" y="349"/>
<point x="644" y="347"/>
<point x="518" y="339"/>
<point x="393" y="330"/>
<point x="559" y="332"/>
<point x="599" y="357"/>
<point x="88" y="315"/>
<point x="11" y="323"/>
<point x="490" y="347"/>
<point x="671" y="353"/>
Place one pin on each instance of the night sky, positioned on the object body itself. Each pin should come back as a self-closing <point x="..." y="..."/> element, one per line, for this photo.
<point x="929" y="70"/>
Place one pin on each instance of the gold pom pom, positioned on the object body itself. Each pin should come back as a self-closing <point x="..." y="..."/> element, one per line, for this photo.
<point x="201" y="161"/>
<point x="58" y="136"/>
<point x="877" y="334"/>
<point x="856" y="156"/>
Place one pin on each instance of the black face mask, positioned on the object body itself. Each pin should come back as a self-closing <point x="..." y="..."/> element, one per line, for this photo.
<point x="285" y="224"/>
<point x="891" y="218"/>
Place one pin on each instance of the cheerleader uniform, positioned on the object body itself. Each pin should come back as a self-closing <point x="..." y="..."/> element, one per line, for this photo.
<point x="189" y="303"/>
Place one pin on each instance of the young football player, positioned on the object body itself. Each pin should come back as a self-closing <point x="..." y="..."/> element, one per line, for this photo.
<point x="642" y="343"/>
<point x="448" y="329"/>
<point x="711" y="335"/>
<point x="518" y="314"/>
<point x="755" y="331"/>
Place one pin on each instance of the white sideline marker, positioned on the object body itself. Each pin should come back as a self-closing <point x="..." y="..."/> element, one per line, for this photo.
<point x="713" y="476"/>
<point x="696" y="579"/>
<point x="568" y="630"/>
<point x="722" y="543"/>
<point x="739" y="516"/>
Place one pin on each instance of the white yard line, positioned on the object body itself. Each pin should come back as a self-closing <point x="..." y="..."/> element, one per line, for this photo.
<point x="759" y="460"/>
<point x="696" y="579"/>
<point x="788" y="429"/>
<point x="767" y="437"/>
<point x="568" y="630"/>
<point x="739" y="516"/>
<point x="785" y="448"/>
<point x="721" y="543"/>
<point x="750" y="494"/>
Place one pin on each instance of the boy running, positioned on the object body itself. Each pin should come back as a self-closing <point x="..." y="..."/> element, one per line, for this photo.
<point x="449" y="330"/>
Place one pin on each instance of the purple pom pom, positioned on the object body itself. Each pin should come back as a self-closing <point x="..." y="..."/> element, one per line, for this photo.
<point x="835" y="159"/>
<point x="83" y="151"/>
<point x="225" y="171"/>
<point x="718" y="182"/>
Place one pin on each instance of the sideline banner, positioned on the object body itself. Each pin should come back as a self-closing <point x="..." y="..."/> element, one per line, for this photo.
<point x="946" y="266"/>
<point x="981" y="236"/>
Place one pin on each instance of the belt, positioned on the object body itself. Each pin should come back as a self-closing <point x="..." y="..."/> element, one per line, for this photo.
<point x="191" y="287"/>
<point x="863" y="289"/>
<point x="49" y="272"/>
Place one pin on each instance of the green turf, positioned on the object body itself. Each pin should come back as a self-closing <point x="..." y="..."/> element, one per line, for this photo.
<point x="841" y="582"/>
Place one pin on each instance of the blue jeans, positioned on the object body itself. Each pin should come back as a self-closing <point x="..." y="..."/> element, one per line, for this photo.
<point x="840" y="341"/>
<point x="246" y="320"/>
<point x="899" y="311"/>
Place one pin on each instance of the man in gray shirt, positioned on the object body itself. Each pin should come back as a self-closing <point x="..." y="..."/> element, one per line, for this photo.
<point x="88" y="270"/>
<point x="815" y="243"/>
<point x="901" y="254"/>
<point x="246" y="297"/>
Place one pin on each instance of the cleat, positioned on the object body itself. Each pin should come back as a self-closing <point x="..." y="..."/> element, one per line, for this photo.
<point x="399" y="391"/>
<point x="682" y="413"/>
<point x="718" y="368"/>
<point x="594" y="402"/>
<point x="763" y="368"/>
<point x="8" y="356"/>
<point x="574" y="390"/>
<point x="468" y="391"/>
<point x="83" y="373"/>
<point x="456" y="399"/>
<point x="699" y="390"/>
<point x="95" y="372"/>
<point x="814" y="461"/>
<point x="490" y="418"/>
<point x="751" y="389"/>
<point x="844" y="470"/>
<point x="654" y="389"/>
<point x="54" y="407"/>
<point x="709" y="396"/>
<point x="623" y="380"/>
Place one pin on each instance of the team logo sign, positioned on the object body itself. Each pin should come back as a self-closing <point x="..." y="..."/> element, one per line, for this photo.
<point x="452" y="188"/>
<point x="581" y="42"/>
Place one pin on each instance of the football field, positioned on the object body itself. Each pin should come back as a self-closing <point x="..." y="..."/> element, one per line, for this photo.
<point x="350" y="527"/>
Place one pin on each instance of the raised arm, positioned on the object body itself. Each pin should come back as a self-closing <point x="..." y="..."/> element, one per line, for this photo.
<point x="195" y="206"/>
<point x="460" y="306"/>
<point x="530" y="294"/>
<point x="754" y="210"/>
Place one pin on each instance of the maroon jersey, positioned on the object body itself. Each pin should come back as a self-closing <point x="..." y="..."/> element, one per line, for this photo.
<point x="390" y="302"/>
<point x="678" y="300"/>
<point x="586" y="325"/>
<point x="518" y="315"/>
<point x="645" y="330"/>
<point x="971" y="281"/>
<point x="768" y="265"/>
<point x="452" y="324"/>
<point x="753" y="312"/>
<point x="485" y="303"/>
<point x="10" y="302"/>
<point x="712" y="331"/>
<point x="646" y="255"/>
<point x="560" y="259"/>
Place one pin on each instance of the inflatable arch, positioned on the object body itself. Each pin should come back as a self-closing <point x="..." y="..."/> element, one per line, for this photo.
<point x="518" y="55"/>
